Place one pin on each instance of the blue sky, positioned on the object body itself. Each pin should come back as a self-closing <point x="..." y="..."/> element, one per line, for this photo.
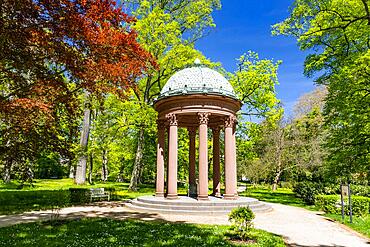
<point x="243" y="25"/>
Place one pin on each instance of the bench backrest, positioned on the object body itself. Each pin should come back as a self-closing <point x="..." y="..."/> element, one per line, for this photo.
<point x="97" y="191"/>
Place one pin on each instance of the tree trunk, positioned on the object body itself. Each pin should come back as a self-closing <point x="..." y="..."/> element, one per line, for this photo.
<point x="104" y="169"/>
<point x="6" y="172"/>
<point x="276" y="180"/>
<point x="71" y="169"/>
<point x="135" y="177"/>
<point x="91" y="168"/>
<point x="82" y="160"/>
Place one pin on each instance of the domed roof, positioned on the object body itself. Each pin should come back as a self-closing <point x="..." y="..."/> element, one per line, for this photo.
<point x="197" y="80"/>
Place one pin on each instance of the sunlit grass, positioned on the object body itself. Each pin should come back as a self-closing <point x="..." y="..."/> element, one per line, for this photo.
<point x="281" y="195"/>
<point x="109" y="232"/>
<point x="360" y="223"/>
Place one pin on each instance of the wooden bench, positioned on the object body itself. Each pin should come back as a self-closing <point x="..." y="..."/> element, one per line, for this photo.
<point x="98" y="193"/>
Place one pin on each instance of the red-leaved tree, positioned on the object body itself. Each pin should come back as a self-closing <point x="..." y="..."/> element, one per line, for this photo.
<point x="50" y="50"/>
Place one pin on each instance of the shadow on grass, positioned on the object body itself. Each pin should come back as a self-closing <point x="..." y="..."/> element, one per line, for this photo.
<point x="111" y="232"/>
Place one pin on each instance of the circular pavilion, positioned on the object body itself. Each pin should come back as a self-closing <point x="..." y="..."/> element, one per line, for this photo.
<point x="197" y="98"/>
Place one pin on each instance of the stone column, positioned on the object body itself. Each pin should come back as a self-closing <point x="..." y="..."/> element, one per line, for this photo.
<point x="230" y="161"/>
<point x="172" y="157"/>
<point x="159" y="189"/>
<point x="203" y="156"/>
<point x="216" y="162"/>
<point x="192" y="158"/>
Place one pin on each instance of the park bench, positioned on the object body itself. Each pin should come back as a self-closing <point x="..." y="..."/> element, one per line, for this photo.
<point x="98" y="193"/>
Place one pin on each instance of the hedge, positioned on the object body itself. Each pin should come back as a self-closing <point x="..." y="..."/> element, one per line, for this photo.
<point x="307" y="190"/>
<point x="19" y="201"/>
<point x="331" y="204"/>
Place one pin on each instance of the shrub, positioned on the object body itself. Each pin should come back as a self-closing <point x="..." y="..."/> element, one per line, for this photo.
<point x="307" y="190"/>
<point x="241" y="220"/>
<point x="331" y="204"/>
<point x="360" y="190"/>
<point x="18" y="201"/>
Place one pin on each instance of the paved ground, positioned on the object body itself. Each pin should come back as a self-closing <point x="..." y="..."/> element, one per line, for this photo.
<point x="298" y="226"/>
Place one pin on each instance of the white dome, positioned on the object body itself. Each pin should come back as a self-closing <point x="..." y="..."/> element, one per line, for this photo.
<point x="197" y="80"/>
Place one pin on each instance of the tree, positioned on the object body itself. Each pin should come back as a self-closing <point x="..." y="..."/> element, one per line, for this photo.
<point x="168" y="30"/>
<point x="337" y="35"/>
<point x="50" y="50"/>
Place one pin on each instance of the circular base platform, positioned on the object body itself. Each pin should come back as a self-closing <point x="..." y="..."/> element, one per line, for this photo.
<point x="189" y="205"/>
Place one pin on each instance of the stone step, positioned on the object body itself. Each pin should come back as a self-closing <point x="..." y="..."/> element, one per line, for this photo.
<point x="179" y="206"/>
<point x="193" y="202"/>
<point x="265" y="208"/>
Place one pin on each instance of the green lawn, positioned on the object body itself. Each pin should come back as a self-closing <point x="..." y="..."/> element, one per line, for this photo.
<point x="281" y="195"/>
<point x="109" y="232"/>
<point x="360" y="223"/>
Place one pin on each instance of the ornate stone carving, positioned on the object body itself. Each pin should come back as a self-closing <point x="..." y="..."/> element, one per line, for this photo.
<point x="172" y="119"/>
<point x="230" y="121"/>
<point x="203" y="117"/>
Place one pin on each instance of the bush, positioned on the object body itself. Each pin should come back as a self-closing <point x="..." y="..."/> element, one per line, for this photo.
<point x="360" y="190"/>
<point x="18" y="201"/>
<point x="331" y="204"/>
<point x="307" y="190"/>
<point x="241" y="220"/>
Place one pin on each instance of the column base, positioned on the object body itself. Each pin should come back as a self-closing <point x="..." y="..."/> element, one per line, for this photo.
<point x="172" y="196"/>
<point x="229" y="197"/>
<point x="216" y="194"/>
<point x="202" y="198"/>
<point x="159" y="194"/>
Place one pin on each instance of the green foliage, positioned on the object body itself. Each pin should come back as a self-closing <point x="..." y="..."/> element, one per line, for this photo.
<point x="307" y="190"/>
<point x="331" y="204"/>
<point x="110" y="232"/>
<point x="241" y="220"/>
<point x="18" y="201"/>
<point x="336" y="33"/>
<point x="254" y="82"/>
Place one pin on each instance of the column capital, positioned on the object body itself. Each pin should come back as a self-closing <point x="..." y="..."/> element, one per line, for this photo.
<point x="230" y="121"/>
<point x="203" y="117"/>
<point x="172" y="119"/>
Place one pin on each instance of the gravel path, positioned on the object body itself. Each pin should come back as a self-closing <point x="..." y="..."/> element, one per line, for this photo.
<point x="299" y="227"/>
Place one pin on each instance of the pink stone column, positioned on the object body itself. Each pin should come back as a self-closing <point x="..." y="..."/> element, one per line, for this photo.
<point x="230" y="159"/>
<point x="234" y="161"/>
<point x="172" y="157"/>
<point x="203" y="156"/>
<point x="159" y="189"/>
<point x="216" y="162"/>
<point x="192" y="159"/>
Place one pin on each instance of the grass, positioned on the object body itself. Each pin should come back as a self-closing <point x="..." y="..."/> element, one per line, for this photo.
<point x="109" y="232"/>
<point x="281" y="195"/>
<point x="360" y="224"/>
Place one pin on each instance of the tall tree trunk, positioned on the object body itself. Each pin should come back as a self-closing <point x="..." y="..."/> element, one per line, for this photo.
<point x="104" y="168"/>
<point x="135" y="177"/>
<point x="82" y="161"/>
<point x="91" y="159"/>
<point x="71" y="169"/>
<point x="276" y="180"/>
<point x="6" y="172"/>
